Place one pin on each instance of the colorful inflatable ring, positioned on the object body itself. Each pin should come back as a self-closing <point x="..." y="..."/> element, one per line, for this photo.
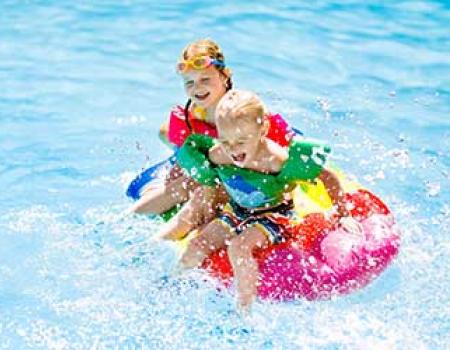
<point x="320" y="260"/>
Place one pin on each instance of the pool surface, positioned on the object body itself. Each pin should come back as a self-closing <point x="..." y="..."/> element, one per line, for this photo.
<point x="83" y="90"/>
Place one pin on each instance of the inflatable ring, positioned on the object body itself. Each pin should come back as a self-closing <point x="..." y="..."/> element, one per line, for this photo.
<point x="320" y="260"/>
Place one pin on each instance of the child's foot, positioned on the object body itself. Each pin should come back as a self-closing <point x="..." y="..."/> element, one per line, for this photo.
<point x="244" y="304"/>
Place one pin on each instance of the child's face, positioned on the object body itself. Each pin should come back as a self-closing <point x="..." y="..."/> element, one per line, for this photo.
<point x="205" y="87"/>
<point x="241" y="138"/>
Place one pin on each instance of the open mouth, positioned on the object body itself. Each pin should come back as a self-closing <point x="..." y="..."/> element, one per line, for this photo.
<point x="202" y="97"/>
<point x="238" y="158"/>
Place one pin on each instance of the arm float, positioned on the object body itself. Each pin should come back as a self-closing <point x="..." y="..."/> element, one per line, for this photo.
<point x="305" y="162"/>
<point x="193" y="158"/>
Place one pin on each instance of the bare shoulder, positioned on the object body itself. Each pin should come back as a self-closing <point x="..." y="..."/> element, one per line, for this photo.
<point x="218" y="156"/>
<point x="277" y="156"/>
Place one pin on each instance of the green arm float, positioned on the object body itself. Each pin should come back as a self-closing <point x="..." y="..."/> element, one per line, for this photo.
<point x="193" y="158"/>
<point x="305" y="162"/>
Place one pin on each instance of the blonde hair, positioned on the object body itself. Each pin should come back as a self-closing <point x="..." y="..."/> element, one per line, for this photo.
<point x="242" y="104"/>
<point x="203" y="47"/>
<point x="208" y="47"/>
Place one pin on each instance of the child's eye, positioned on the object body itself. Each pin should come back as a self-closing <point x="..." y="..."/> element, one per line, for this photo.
<point x="205" y="80"/>
<point x="189" y="83"/>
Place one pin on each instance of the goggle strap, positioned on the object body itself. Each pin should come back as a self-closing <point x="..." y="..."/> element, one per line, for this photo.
<point x="218" y="63"/>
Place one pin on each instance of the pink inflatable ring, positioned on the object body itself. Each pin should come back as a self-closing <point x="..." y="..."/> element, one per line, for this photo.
<point x="321" y="260"/>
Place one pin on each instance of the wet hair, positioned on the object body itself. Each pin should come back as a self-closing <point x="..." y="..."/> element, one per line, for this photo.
<point x="242" y="104"/>
<point x="205" y="47"/>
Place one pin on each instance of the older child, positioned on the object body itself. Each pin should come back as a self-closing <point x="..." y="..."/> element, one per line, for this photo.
<point x="258" y="176"/>
<point x="206" y="79"/>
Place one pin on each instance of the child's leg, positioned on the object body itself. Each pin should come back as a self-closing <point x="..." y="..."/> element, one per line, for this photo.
<point x="199" y="210"/>
<point x="182" y="222"/>
<point x="161" y="198"/>
<point x="212" y="237"/>
<point x="244" y="265"/>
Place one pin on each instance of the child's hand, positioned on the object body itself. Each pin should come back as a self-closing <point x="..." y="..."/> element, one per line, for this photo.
<point x="351" y="225"/>
<point x="345" y="220"/>
<point x="174" y="173"/>
<point x="341" y="207"/>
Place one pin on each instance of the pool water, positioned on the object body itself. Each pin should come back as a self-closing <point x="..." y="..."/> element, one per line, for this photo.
<point x="83" y="90"/>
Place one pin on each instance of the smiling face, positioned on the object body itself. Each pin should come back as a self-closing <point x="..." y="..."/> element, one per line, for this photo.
<point x="241" y="125"/>
<point x="241" y="138"/>
<point x="205" y="87"/>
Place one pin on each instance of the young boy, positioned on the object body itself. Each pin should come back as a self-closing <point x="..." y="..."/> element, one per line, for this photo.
<point x="258" y="176"/>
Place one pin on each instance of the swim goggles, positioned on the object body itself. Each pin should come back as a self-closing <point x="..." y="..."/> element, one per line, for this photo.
<point x="198" y="63"/>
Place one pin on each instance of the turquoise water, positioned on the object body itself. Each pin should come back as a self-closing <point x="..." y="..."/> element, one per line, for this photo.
<point x="83" y="90"/>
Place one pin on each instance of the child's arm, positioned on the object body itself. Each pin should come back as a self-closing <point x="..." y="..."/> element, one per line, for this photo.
<point x="306" y="163"/>
<point x="160" y="198"/>
<point x="164" y="134"/>
<point x="201" y="208"/>
<point x="335" y="191"/>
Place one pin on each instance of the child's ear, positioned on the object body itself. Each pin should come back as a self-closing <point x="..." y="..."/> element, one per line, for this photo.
<point x="226" y="76"/>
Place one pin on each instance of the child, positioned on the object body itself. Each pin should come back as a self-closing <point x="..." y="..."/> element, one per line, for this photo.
<point x="258" y="176"/>
<point x="206" y="79"/>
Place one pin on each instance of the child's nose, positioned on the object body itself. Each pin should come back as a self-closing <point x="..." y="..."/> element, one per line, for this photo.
<point x="197" y="84"/>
